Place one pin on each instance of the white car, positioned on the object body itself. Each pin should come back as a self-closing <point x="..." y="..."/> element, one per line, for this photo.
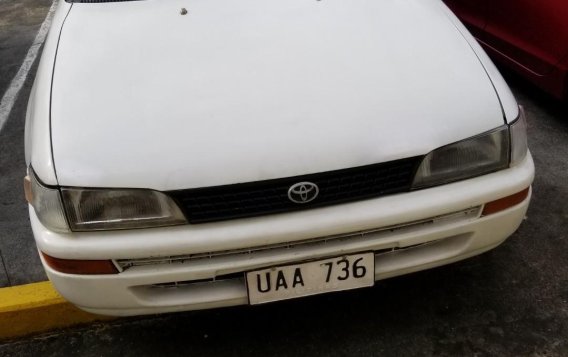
<point x="191" y="155"/>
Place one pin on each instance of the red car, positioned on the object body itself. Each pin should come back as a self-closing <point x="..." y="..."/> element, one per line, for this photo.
<point x="529" y="36"/>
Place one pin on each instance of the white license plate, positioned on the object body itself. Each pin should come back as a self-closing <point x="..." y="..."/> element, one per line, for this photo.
<point x="292" y="281"/>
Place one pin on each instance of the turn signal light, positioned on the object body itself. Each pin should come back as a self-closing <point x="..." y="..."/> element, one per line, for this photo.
<point x="505" y="202"/>
<point x="28" y="190"/>
<point x="84" y="267"/>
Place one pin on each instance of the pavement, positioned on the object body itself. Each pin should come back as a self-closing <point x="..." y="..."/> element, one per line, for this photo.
<point x="19" y="262"/>
<point x="512" y="301"/>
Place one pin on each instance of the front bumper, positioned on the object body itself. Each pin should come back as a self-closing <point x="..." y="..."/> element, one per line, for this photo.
<point x="200" y="266"/>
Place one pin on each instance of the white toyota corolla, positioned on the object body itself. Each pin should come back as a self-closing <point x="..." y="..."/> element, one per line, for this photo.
<point x="191" y="154"/>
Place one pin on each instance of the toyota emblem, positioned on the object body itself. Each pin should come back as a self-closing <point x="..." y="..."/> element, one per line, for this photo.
<point x="303" y="192"/>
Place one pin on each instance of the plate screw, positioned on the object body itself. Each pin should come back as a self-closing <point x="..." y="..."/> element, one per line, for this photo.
<point x="183" y="11"/>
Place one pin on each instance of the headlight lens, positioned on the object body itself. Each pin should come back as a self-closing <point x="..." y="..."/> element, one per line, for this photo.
<point x="472" y="157"/>
<point x="46" y="202"/>
<point x="106" y="209"/>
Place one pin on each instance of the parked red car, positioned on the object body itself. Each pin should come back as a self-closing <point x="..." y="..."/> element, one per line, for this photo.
<point x="529" y="36"/>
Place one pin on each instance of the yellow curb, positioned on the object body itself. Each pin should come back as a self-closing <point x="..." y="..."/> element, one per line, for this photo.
<point x="37" y="307"/>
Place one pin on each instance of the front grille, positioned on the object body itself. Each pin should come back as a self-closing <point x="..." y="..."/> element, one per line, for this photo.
<point x="250" y="199"/>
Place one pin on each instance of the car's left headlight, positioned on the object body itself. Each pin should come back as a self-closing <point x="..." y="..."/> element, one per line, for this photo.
<point x="495" y="150"/>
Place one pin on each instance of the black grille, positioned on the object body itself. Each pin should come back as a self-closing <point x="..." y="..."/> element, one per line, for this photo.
<point x="249" y="199"/>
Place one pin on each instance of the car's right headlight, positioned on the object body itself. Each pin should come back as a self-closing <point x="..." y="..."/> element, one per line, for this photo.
<point x="106" y="209"/>
<point x="62" y="209"/>
<point x="495" y="150"/>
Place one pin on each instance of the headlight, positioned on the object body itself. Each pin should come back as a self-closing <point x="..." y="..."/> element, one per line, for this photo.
<point x="472" y="157"/>
<point x="46" y="202"/>
<point x="105" y="209"/>
<point x="64" y="209"/>
<point x="482" y="154"/>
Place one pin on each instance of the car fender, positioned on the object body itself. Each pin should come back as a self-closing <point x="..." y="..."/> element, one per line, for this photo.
<point x="38" y="116"/>
<point x="506" y="97"/>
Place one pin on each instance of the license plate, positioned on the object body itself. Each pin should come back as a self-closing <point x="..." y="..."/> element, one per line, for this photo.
<point x="311" y="278"/>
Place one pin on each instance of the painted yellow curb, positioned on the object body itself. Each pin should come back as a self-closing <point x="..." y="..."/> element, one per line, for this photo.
<point x="37" y="307"/>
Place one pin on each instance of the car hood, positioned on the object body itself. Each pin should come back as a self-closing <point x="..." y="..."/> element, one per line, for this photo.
<point x="239" y="91"/>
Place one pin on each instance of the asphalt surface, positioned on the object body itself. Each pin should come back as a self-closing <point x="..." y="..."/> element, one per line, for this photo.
<point x="19" y="255"/>
<point x="512" y="301"/>
<point x="19" y="22"/>
<point x="19" y="262"/>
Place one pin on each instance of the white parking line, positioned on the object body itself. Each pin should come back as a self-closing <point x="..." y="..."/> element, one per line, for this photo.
<point x="17" y="83"/>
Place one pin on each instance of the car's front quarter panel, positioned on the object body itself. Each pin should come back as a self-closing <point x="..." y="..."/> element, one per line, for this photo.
<point x="506" y="97"/>
<point x="38" y="115"/>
